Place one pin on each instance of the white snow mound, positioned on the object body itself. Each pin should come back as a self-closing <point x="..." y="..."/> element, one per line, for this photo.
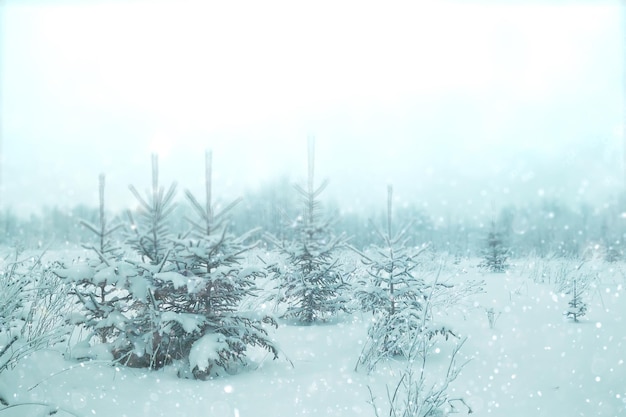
<point x="206" y="349"/>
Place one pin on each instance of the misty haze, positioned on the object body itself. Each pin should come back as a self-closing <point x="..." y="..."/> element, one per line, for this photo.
<point x="335" y="208"/>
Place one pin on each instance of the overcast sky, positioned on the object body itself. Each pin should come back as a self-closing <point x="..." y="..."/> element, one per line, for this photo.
<point x="450" y="101"/>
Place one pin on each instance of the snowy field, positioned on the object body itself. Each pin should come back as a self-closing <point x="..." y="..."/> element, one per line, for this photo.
<point x="179" y="284"/>
<point x="532" y="361"/>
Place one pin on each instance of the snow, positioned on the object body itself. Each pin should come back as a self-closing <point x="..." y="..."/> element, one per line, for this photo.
<point x="206" y="349"/>
<point x="76" y="318"/>
<point x="118" y="272"/>
<point x="193" y="283"/>
<point x="84" y="350"/>
<point x="177" y="280"/>
<point x="139" y="288"/>
<point x="113" y="319"/>
<point x="76" y="272"/>
<point x="533" y="362"/>
<point x="190" y="322"/>
<point x="105" y="275"/>
<point x="249" y="271"/>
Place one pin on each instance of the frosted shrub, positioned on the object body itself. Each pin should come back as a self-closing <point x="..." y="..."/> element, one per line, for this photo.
<point x="419" y="393"/>
<point x="33" y="305"/>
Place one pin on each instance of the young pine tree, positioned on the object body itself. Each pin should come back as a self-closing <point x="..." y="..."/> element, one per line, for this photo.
<point x="117" y="290"/>
<point x="201" y="294"/>
<point x="151" y="236"/>
<point x="104" y="286"/>
<point x="495" y="252"/>
<point x="146" y="341"/>
<point x="397" y="298"/>
<point x="178" y="298"/>
<point x="312" y="284"/>
<point x="576" y="306"/>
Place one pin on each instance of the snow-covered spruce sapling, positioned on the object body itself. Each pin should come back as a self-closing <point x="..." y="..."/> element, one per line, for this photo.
<point x="495" y="252"/>
<point x="200" y="293"/>
<point x="576" y="306"/>
<point x="100" y="284"/>
<point x="143" y="342"/>
<point x="177" y="299"/>
<point x="312" y="284"/>
<point x="151" y="234"/>
<point x="395" y="295"/>
<point x="574" y="282"/>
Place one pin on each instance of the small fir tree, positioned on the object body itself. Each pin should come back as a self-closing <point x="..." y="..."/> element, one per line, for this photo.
<point x="146" y="341"/>
<point x="104" y="286"/>
<point x="396" y="297"/>
<point x="195" y="284"/>
<point x="99" y="294"/>
<point x="495" y="253"/>
<point x="116" y="291"/>
<point x="151" y="234"/>
<point x="312" y="284"/>
<point x="201" y="296"/>
<point x="577" y="307"/>
<point x="179" y="299"/>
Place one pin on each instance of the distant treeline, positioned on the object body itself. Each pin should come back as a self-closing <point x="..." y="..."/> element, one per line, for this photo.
<point x="542" y="227"/>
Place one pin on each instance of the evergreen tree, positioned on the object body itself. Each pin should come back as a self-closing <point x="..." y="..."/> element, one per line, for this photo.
<point x="200" y="296"/>
<point x="105" y="287"/>
<point x="394" y="294"/>
<point x="146" y="341"/>
<point x="178" y="300"/>
<point x="150" y="236"/>
<point x="312" y="283"/>
<point x="577" y="307"/>
<point x="116" y="291"/>
<point x="495" y="253"/>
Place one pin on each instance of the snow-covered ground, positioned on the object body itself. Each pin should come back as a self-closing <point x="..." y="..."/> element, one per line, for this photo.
<point x="533" y="362"/>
